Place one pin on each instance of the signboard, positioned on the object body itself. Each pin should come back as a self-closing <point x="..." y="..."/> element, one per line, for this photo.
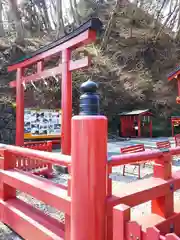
<point x="42" y="123"/>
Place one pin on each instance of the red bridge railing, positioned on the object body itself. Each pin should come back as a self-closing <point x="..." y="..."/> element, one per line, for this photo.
<point x="93" y="209"/>
<point x="133" y="149"/>
<point x="27" y="221"/>
<point x="159" y="189"/>
<point x="35" y="166"/>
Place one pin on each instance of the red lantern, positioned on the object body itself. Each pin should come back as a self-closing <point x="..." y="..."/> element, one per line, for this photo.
<point x="178" y="100"/>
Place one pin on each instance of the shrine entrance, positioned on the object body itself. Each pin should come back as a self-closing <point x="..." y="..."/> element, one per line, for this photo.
<point x="137" y="123"/>
<point x="60" y="50"/>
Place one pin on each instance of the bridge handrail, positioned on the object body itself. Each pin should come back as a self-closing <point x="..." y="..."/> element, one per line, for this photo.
<point x="118" y="160"/>
<point x="48" y="157"/>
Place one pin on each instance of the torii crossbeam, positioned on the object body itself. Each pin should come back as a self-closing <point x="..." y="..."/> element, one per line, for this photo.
<point x="63" y="47"/>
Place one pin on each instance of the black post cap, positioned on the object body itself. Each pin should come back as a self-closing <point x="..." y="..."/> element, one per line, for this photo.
<point x="89" y="100"/>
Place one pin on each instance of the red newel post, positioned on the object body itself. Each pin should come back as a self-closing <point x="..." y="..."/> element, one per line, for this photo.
<point x="66" y="103"/>
<point x="7" y="192"/>
<point x="164" y="205"/>
<point x="89" y="154"/>
<point x="19" y="108"/>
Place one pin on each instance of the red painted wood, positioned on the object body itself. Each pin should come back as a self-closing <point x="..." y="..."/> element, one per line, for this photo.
<point x="35" y="165"/>
<point x="172" y="127"/>
<point x="42" y="74"/>
<point x="29" y="222"/>
<point x="66" y="103"/>
<point x="121" y="215"/>
<point x="84" y="38"/>
<point x="109" y="181"/>
<point x="165" y="226"/>
<point x="19" y="109"/>
<point x="172" y="237"/>
<point x="53" y="158"/>
<point x="163" y="144"/>
<point x="151" y="128"/>
<point x="152" y="234"/>
<point x="164" y="205"/>
<point x="131" y="158"/>
<point x="148" y="189"/>
<point x="133" y="231"/>
<point x="88" y="211"/>
<point x="64" y="187"/>
<point x="133" y="149"/>
<point x="67" y="217"/>
<point x="178" y="83"/>
<point x="173" y="76"/>
<point x="6" y="191"/>
<point x="177" y="140"/>
<point x="48" y="193"/>
<point x="139" y="127"/>
<point x="40" y="66"/>
<point x="79" y="64"/>
<point x="175" y="151"/>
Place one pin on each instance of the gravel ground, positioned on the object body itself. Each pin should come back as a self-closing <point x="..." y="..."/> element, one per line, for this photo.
<point x="118" y="181"/>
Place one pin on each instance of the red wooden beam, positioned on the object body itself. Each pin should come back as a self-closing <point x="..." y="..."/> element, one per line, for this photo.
<point x="49" y="193"/>
<point x="73" y="65"/>
<point x="173" y="76"/>
<point x="79" y="64"/>
<point x="84" y="38"/>
<point x="19" y="108"/>
<point x="174" y="220"/>
<point x="131" y="158"/>
<point x="47" y="157"/>
<point x="39" y="75"/>
<point x="29" y="222"/>
<point x="148" y="189"/>
<point x="119" y="160"/>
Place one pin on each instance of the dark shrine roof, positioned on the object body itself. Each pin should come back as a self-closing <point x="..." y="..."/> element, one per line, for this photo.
<point x="174" y="73"/>
<point x="136" y="112"/>
<point x="178" y="117"/>
<point x="93" y="23"/>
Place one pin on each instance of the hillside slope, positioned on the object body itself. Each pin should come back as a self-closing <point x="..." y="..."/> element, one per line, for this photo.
<point x="132" y="69"/>
<point x="129" y="65"/>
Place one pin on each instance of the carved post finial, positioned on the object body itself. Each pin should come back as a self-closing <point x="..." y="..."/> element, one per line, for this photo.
<point x="89" y="100"/>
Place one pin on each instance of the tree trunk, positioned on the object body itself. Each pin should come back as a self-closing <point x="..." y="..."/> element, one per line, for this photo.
<point x="17" y="20"/>
<point x="177" y="35"/>
<point x="74" y="14"/>
<point x="60" y="22"/>
<point x="46" y="16"/>
<point x="2" y="32"/>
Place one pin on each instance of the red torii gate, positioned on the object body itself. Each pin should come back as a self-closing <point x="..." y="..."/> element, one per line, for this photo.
<point x="85" y="34"/>
<point x="176" y="75"/>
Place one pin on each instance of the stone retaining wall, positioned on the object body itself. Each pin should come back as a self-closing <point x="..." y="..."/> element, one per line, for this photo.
<point x="7" y="123"/>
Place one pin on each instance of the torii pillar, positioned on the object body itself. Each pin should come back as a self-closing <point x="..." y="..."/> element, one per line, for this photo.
<point x="85" y="34"/>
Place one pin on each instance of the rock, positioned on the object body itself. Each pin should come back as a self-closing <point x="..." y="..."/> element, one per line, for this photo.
<point x="2" y="124"/>
<point x="7" y="124"/>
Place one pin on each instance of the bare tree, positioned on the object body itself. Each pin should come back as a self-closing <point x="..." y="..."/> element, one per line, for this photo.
<point x="171" y="12"/>
<point x="2" y="33"/>
<point x="60" y="22"/>
<point x="177" y="35"/>
<point x="17" y="20"/>
<point x="74" y="13"/>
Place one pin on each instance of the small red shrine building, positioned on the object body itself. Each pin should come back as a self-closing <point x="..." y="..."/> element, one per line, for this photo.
<point x="175" y="121"/>
<point x="136" y="123"/>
